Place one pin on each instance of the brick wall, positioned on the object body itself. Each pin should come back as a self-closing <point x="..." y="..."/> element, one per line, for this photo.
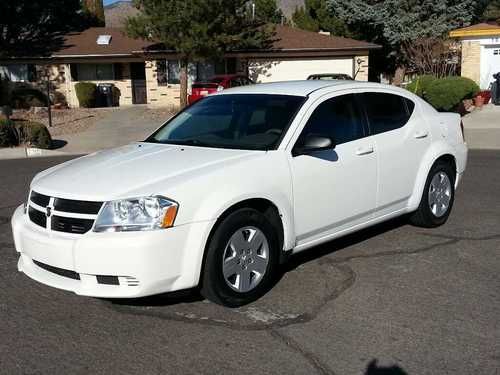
<point x="471" y="60"/>
<point x="124" y="85"/>
<point x="168" y="95"/>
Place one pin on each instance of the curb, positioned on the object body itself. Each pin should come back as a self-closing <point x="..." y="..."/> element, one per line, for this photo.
<point x="29" y="153"/>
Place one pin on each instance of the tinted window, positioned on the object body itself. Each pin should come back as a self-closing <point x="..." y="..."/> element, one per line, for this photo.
<point x="243" y="121"/>
<point x="386" y="112"/>
<point x="338" y="118"/>
<point x="235" y="82"/>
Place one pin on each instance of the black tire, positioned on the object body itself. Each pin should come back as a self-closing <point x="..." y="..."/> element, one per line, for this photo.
<point x="423" y="216"/>
<point x="213" y="284"/>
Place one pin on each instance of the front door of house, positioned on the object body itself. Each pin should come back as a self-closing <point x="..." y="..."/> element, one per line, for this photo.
<point x="138" y="75"/>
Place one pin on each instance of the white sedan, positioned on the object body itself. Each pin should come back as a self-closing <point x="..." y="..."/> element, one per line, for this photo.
<point x="231" y="186"/>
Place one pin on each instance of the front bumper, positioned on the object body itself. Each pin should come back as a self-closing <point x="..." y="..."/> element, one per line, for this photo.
<point x="145" y="263"/>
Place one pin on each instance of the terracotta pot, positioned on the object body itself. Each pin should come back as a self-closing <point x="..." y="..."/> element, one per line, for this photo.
<point x="486" y="94"/>
<point x="479" y="101"/>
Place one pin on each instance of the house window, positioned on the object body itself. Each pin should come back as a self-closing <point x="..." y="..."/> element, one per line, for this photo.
<point x="18" y="72"/>
<point x="205" y="70"/>
<point x="94" y="72"/>
<point x="168" y="72"/>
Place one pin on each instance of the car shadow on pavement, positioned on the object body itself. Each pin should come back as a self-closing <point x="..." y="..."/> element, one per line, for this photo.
<point x="343" y="242"/>
<point x="374" y="369"/>
<point x="193" y="295"/>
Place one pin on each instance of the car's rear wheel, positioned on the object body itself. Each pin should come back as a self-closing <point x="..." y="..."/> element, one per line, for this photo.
<point x="437" y="198"/>
<point x="241" y="259"/>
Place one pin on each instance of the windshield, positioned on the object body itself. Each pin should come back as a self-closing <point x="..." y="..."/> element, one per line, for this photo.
<point x="240" y="121"/>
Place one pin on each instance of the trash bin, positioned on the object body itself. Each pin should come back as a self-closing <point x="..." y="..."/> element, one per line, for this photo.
<point x="105" y="95"/>
<point x="495" y="89"/>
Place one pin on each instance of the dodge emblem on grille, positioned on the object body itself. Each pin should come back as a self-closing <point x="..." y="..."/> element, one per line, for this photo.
<point x="49" y="211"/>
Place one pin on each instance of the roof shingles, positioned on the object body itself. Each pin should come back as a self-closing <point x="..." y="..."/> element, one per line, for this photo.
<point x="286" y="39"/>
<point x="85" y="43"/>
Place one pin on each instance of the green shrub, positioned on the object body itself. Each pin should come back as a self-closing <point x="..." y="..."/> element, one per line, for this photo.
<point x="86" y="92"/>
<point x="420" y="84"/>
<point x="8" y="135"/>
<point x="446" y="94"/>
<point x="35" y="134"/>
<point x="26" y="98"/>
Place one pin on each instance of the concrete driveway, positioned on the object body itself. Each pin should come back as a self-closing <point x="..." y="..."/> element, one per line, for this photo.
<point x="128" y="124"/>
<point x="394" y="299"/>
<point x="482" y="128"/>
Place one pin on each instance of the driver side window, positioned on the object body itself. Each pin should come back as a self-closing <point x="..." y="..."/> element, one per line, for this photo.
<point x="338" y="118"/>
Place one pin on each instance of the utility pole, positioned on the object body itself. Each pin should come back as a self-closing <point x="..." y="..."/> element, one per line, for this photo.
<point x="253" y="10"/>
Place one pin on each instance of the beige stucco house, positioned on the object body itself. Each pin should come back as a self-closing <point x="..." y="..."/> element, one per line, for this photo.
<point x="480" y="52"/>
<point x="146" y="73"/>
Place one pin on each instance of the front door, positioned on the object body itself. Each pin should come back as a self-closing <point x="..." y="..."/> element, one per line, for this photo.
<point x="138" y="76"/>
<point x="334" y="189"/>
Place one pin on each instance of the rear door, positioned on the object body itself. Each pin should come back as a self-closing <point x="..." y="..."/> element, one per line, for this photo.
<point x="402" y="138"/>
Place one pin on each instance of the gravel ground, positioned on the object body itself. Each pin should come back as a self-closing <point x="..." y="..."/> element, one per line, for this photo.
<point x="77" y="120"/>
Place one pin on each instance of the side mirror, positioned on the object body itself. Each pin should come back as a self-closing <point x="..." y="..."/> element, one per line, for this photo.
<point x="314" y="143"/>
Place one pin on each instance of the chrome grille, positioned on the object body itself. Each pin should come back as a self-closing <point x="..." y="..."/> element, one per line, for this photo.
<point x="62" y="215"/>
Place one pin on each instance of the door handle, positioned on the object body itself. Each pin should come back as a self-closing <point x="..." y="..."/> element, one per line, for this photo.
<point x="364" y="150"/>
<point x="420" y="135"/>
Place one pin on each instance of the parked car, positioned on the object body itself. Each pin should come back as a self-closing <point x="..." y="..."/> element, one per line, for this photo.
<point x="217" y="83"/>
<point x="232" y="185"/>
<point x="330" y="76"/>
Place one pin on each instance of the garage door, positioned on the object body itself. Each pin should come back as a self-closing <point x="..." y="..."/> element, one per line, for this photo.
<point x="289" y="70"/>
<point x="490" y="65"/>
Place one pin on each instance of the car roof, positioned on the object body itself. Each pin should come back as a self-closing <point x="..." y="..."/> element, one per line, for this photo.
<point x="329" y="74"/>
<point x="306" y="87"/>
<point x="297" y="88"/>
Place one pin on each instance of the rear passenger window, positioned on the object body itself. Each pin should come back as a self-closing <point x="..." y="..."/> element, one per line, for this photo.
<point x="338" y="118"/>
<point x="387" y="112"/>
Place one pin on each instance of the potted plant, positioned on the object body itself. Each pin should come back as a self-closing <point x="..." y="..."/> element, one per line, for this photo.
<point x="486" y="94"/>
<point x="479" y="101"/>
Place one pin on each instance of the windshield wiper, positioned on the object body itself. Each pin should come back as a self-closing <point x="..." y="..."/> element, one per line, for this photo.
<point x="189" y="142"/>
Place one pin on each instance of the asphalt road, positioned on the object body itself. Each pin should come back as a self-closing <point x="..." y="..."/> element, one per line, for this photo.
<point x="390" y="300"/>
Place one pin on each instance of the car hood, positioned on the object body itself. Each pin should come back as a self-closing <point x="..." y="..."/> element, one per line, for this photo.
<point x="119" y="172"/>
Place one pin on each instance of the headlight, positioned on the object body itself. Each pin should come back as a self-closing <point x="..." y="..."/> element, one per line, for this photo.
<point x="146" y="213"/>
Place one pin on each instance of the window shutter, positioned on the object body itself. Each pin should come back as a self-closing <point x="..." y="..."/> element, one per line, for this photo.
<point x="32" y="76"/>
<point x="74" y="72"/>
<point x="118" y="68"/>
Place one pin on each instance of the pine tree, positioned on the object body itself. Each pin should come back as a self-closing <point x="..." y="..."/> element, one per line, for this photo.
<point x="35" y="28"/>
<point x="198" y="29"/>
<point x="394" y="23"/>
<point x="268" y="11"/>
<point x="316" y="16"/>
<point x="492" y="12"/>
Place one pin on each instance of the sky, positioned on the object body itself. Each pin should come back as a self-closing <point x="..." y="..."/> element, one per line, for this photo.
<point x="107" y="2"/>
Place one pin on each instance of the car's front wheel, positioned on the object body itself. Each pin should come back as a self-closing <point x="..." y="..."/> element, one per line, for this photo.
<point x="438" y="197"/>
<point x="241" y="259"/>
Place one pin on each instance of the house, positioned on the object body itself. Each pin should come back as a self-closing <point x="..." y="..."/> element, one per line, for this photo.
<point x="146" y="73"/>
<point x="480" y="52"/>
